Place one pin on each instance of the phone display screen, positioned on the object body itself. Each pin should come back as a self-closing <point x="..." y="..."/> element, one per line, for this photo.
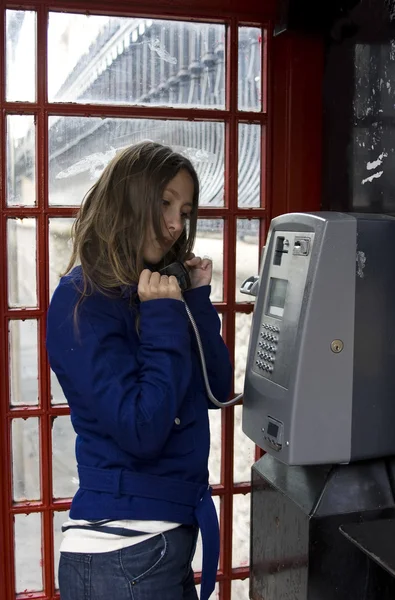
<point x="277" y="297"/>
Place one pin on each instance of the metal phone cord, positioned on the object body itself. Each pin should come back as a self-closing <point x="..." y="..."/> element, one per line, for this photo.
<point x="204" y="368"/>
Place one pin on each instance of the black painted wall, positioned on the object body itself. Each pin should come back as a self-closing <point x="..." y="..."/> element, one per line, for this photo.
<point x="359" y="111"/>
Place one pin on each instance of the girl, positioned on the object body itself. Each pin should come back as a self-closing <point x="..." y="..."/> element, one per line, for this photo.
<point x="120" y="343"/>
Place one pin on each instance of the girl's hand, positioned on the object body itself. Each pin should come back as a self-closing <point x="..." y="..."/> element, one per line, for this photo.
<point x="154" y="285"/>
<point x="200" y="270"/>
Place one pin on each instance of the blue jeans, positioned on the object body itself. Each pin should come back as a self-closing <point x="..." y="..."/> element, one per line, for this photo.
<point x="159" y="568"/>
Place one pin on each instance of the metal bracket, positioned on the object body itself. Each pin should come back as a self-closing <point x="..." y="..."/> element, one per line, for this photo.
<point x="250" y="286"/>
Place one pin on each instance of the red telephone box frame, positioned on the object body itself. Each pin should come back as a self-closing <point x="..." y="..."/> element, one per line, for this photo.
<point x="290" y="178"/>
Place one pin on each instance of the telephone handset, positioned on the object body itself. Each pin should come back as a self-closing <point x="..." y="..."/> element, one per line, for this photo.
<point x="181" y="272"/>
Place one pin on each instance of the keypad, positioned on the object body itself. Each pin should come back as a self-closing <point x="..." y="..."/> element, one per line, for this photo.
<point x="271" y="327"/>
<point x="267" y="347"/>
<point x="264" y="366"/>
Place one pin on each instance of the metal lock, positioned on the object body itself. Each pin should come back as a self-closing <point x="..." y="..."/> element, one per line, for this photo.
<point x="337" y="346"/>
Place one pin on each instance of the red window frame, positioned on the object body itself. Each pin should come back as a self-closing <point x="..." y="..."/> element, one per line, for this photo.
<point x="227" y="489"/>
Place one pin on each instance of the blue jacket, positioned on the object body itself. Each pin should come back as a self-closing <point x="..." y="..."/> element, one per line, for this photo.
<point x="138" y="404"/>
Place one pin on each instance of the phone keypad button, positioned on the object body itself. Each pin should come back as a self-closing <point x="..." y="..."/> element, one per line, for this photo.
<point x="267" y="348"/>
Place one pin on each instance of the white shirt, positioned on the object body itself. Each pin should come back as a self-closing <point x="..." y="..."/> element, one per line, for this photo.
<point x="95" y="541"/>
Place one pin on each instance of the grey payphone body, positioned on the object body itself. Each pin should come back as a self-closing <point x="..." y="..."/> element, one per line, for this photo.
<point x="320" y="377"/>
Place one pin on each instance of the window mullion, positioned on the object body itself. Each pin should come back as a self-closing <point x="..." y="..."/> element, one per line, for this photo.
<point x="231" y="172"/>
<point x="42" y="295"/>
<point x="6" y="566"/>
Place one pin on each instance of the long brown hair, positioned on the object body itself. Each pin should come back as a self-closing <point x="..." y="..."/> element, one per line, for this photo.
<point x="109" y="231"/>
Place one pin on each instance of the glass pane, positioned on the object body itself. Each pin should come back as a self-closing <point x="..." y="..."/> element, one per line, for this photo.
<point x="243" y="327"/>
<point x="25" y="459"/>
<point x="240" y="589"/>
<point x="21" y="56"/>
<point x="214" y="463"/>
<point x="113" y="60"/>
<point x="241" y="531"/>
<point x="60" y="247"/>
<point x="57" y="396"/>
<point x="23" y="362"/>
<point x="250" y="69"/>
<point x="210" y="242"/>
<point x="75" y="166"/>
<point x="249" y="179"/>
<point x="21" y="253"/>
<point x="247" y="254"/>
<point x="197" y="561"/>
<point x="244" y="456"/>
<point x="58" y="519"/>
<point x="64" y="468"/>
<point x="21" y="160"/>
<point x="28" y="555"/>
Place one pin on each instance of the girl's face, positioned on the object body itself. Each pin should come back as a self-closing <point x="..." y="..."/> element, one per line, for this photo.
<point x="177" y="205"/>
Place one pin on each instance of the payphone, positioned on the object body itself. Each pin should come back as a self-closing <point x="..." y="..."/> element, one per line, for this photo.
<point x="319" y="399"/>
<point x="320" y="377"/>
